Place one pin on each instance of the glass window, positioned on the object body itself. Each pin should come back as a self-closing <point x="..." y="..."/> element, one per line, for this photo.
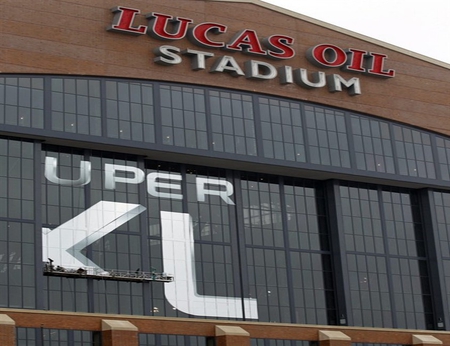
<point x="171" y="340"/>
<point x="62" y="202"/>
<point x="387" y="271"/>
<point x="183" y="117"/>
<point x="22" y="102"/>
<point x="291" y="283"/>
<point x="372" y="145"/>
<point x="414" y="154"/>
<point x="54" y="337"/>
<point x="270" y="243"/>
<point x="232" y="121"/>
<point x="442" y="213"/>
<point x="327" y="137"/>
<point x="282" y="132"/>
<point x="443" y="151"/>
<point x="17" y="265"/>
<point x="221" y="121"/>
<point x="76" y="106"/>
<point x="16" y="179"/>
<point x="129" y="111"/>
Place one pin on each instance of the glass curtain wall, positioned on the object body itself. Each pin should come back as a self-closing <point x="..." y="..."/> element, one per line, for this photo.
<point x="385" y="253"/>
<point x="256" y="237"/>
<point x="253" y="236"/>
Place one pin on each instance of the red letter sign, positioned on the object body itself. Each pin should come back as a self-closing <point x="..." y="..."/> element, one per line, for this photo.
<point x="199" y="34"/>
<point x="158" y="23"/>
<point x="123" y="21"/>
<point x="279" y="46"/>
<point x="356" y="60"/>
<point x="378" y="65"/>
<point x="326" y="55"/>
<point x="246" y="41"/>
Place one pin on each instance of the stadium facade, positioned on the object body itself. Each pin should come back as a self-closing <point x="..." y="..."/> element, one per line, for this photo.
<point x="218" y="172"/>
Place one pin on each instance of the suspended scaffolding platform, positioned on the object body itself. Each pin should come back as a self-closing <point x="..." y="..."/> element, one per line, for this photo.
<point x="101" y="274"/>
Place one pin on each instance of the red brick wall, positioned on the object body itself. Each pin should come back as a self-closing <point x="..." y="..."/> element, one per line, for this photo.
<point x="203" y="327"/>
<point x="232" y="340"/>
<point x="7" y="335"/>
<point x="119" y="338"/>
<point x="69" y="37"/>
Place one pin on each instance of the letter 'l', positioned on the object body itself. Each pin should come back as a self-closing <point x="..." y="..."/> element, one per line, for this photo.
<point x="178" y="257"/>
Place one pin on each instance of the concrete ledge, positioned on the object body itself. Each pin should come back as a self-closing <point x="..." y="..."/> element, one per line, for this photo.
<point x="425" y="339"/>
<point x="231" y="330"/>
<point x="118" y="325"/>
<point x="6" y="320"/>
<point x="333" y="335"/>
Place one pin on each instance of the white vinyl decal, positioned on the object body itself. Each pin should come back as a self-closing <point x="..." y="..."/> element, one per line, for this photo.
<point x="63" y="246"/>
<point x="178" y="257"/>
<point x="64" y="243"/>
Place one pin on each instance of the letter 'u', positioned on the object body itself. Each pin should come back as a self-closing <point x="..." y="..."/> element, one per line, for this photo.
<point x="51" y="167"/>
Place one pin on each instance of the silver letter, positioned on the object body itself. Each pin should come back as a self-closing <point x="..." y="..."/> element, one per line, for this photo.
<point x="152" y="184"/>
<point x="177" y="236"/>
<point x="301" y="78"/>
<point x="335" y="83"/>
<point x="166" y="55"/>
<point x="51" y="164"/>
<point x="286" y="75"/>
<point x="227" y="64"/>
<point x="198" y="61"/>
<point x="201" y="191"/>
<point x="254" y="68"/>
<point x="111" y="179"/>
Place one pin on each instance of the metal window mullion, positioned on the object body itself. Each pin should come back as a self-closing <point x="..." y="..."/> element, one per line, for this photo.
<point x="103" y="115"/>
<point x="39" y="279"/>
<point x="145" y="253"/>
<point x="47" y="103"/>
<point x="157" y="113"/>
<point x="305" y="133"/>
<point x="233" y="211"/>
<point x="350" y="142"/>
<point x="209" y="133"/>
<point x="241" y="104"/>
<point x="87" y="204"/>
<point x="185" y="209"/>
<point x="434" y="259"/>
<point x="240" y="239"/>
<point x="338" y="253"/>
<point x="287" y="252"/>
<point x="394" y="148"/>
<point x="257" y="127"/>
<point x="436" y="163"/>
<point x="387" y="256"/>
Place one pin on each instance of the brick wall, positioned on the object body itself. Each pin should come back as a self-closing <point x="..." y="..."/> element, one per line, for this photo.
<point x="70" y="37"/>
<point x="7" y="331"/>
<point x="208" y="328"/>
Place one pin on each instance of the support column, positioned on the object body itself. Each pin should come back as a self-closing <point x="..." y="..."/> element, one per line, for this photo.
<point x="7" y="331"/>
<point x="436" y="273"/>
<point x="333" y="338"/>
<point x="343" y="301"/>
<point x="232" y="336"/>
<point x="425" y="340"/>
<point x="119" y="333"/>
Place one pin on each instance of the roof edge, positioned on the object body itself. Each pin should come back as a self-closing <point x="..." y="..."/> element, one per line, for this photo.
<point x="341" y="30"/>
